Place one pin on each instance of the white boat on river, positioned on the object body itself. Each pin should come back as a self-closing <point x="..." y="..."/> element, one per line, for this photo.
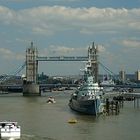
<point x="9" y="130"/>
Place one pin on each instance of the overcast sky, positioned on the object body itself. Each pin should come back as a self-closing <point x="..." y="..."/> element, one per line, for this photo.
<point x="67" y="28"/>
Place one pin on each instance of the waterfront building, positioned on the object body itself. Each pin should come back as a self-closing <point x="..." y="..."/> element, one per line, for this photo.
<point x="137" y="75"/>
<point x="122" y="75"/>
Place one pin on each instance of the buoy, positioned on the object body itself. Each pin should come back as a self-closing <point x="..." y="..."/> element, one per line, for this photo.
<point x="72" y="121"/>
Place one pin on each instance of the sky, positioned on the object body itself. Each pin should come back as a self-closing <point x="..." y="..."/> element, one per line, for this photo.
<point x="68" y="28"/>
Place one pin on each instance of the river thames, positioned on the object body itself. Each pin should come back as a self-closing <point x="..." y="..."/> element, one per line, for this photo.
<point x="42" y="121"/>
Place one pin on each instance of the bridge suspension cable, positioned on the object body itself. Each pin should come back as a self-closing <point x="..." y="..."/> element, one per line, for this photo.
<point x="8" y="76"/>
<point x="19" y="69"/>
<point x="109" y="71"/>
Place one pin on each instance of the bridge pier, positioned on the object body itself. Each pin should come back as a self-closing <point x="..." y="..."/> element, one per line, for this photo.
<point x="31" y="89"/>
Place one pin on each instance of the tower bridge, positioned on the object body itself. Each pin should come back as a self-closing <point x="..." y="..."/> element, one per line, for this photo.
<point x="30" y="82"/>
<point x="31" y="87"/>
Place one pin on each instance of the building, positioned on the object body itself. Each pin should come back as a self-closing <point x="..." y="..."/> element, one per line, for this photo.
<point x="122" y="76"/>
<point x="137" y="75"/>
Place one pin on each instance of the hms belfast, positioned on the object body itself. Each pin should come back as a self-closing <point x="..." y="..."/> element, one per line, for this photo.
<point x="87" y="98"/>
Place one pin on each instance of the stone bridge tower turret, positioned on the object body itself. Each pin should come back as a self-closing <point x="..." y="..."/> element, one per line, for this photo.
<point x="30" y="85"/>
<point x="31" y="64"/>
<point x="93" y="57"/>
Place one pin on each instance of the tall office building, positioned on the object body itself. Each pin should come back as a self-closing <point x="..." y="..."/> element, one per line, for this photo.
<point x="122" y="75"/>
<point x="137" y="75"/>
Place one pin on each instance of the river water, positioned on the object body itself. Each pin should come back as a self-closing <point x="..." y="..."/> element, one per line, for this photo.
<point x="42" y="121"/>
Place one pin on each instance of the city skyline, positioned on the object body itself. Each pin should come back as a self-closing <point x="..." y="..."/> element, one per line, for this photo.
<point x="68" y="28"/>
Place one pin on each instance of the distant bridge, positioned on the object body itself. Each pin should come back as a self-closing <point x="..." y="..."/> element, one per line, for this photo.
<point x="19" y="87"/>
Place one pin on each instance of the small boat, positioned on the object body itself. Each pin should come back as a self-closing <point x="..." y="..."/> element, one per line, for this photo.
<point x="9" y="130"/>
<point x="51" y="100"/>
<point x="107" y="84"/>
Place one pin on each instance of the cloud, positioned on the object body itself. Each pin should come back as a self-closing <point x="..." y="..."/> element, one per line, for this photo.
<point x="61" y="49"/>
<point x="128" y="45"/>
<point x="49" y="20"/>
<point x="54" y="50"/>
<point x="101" y="48"/>
<point x="131" y="43"/>
<point x="103" y="24"/>
<point x="9" y="55"/>
<point x="122" y="53"/>
<point x="4" y="51"/>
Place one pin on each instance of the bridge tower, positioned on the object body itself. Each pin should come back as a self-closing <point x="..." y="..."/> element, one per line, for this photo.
<point x="30" y="85"/>
<point x="31" y="64"/>
<point x="93" y="56"/>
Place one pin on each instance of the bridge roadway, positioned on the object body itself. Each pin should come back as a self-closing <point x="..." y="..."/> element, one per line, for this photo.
<point x="47" y="86"/>
<point x="71" y="85"/>
<point x="63" y="58"/>
<point x="19" y="87"/>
